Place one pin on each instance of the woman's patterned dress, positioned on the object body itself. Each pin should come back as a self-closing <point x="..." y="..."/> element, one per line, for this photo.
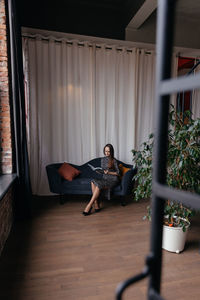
<point x="107" y="181"/>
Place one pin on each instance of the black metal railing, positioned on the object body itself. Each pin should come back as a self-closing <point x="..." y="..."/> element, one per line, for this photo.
<point x="164" y="87"/>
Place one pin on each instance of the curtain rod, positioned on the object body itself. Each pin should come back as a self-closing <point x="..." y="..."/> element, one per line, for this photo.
<point x="82" y="44"/>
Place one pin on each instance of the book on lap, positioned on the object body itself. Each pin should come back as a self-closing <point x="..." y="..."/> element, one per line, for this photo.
<point x="97" y="169"/>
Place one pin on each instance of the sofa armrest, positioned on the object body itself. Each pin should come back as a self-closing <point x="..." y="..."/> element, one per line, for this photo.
<point x="54" y="179"/>
<point x="127" y="182"/>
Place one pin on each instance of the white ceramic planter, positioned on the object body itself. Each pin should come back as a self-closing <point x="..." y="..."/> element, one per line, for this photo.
<point x="174" y="238"/>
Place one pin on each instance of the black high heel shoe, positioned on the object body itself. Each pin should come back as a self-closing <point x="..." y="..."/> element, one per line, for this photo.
<point x="97" y="209"/>
<point x="87" y="213"/>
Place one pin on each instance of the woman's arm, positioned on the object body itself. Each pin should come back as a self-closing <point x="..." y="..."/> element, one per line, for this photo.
<point x="110" y="172"/>
<point x="115" y="166"/>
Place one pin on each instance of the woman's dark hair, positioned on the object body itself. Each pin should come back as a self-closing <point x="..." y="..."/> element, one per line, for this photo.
<point x="111" y="154"/>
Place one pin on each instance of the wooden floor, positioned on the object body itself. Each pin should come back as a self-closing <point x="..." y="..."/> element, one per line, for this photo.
<point x="62" y="254"/>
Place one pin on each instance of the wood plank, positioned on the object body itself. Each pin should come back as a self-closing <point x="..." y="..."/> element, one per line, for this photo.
<point x="61" y="254"/>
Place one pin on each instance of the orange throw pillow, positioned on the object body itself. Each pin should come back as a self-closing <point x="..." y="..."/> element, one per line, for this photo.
<point x="68" y="172"/>
<point x="123" y="170"/>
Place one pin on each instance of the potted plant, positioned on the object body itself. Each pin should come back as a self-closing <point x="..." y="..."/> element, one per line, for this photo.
<point x="183" y="172"/>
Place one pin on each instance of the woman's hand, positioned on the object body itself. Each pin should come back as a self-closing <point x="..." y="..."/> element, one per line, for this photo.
<point x="110" y="173"/>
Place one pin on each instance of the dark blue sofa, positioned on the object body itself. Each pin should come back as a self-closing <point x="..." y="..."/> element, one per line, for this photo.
<point x="81" y="184"/>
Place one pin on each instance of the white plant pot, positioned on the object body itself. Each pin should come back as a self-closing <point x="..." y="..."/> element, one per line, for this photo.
<point x="174" y="238"/>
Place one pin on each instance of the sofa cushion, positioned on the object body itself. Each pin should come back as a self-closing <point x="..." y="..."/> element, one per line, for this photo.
<point x="123" y="170"/>
<point x="68" y="172"/>
<point x="78" y="184"/>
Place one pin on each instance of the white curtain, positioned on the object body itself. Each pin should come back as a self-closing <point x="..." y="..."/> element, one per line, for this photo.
<point x="83" y="96"/>
<point x="145" y="95"/>
<point x="173" y="97"/>
<point x="115" y="100"/>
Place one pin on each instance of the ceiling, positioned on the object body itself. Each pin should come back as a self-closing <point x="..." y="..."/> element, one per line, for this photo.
<point x="142" y="27"/>
<point x="110" y="18"/>
<point x="101" y="18"/>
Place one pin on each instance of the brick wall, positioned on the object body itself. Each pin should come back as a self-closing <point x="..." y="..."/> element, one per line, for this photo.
<point x="6" y="216"/>
<point x="5" y="124"/>
<point x="6" y="204"/>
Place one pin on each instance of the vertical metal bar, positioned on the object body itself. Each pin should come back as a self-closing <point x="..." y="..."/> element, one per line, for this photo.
<point x="178" y="102"/>
<point x="13" y="83"/>
<point x="183" y="104"/>
<point x="190" y="72"/>
<point x="165" y="24"/>
<point x="191" y="95"/>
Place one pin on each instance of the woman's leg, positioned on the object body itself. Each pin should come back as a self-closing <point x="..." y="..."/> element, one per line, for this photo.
<point x="96" y="202"/>
<point x="96" y="192"/>
<point x="93" y="187"/>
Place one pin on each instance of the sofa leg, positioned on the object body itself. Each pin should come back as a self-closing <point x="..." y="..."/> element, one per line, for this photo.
<point x="108" y="191"/>
<point x="61" y="199"/>
<point x="123" y="201"/>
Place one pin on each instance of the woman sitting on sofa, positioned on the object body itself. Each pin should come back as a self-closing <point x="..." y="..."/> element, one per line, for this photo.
<point x="109" y="179"/>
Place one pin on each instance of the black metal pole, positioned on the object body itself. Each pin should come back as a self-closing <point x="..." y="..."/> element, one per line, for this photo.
<point x="24" y="194"/>
<point x="165" y="24"/>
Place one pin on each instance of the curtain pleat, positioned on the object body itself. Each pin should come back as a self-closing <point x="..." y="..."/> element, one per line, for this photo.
<point x="145" y="96"/>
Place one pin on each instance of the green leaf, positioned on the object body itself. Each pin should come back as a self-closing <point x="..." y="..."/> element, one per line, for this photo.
<point x="183" y="163"/>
